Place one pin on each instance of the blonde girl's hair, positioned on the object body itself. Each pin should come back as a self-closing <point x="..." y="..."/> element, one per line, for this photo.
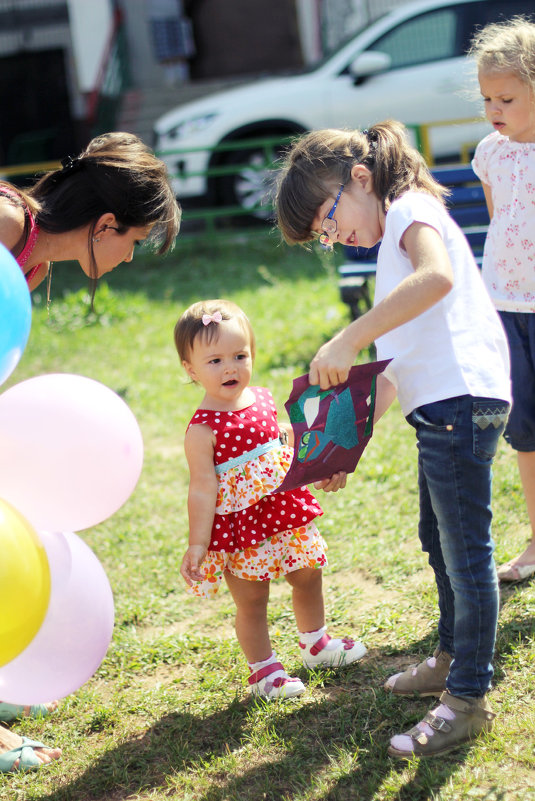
<point x="507" y="46"/>
<point x="319" y="162"/>
<point x="190" y="325"/>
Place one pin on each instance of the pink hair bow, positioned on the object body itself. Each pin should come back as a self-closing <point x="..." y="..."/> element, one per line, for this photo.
<point x="216" y="317"/>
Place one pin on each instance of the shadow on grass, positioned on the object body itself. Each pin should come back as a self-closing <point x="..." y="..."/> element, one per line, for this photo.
<point x="177" y="742"/>
<point x="339" y="736"/>
<point x="347" y="723"/>
<point x="314" y="735"/>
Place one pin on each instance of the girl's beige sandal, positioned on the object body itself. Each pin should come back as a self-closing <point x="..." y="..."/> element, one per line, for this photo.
<point x="472" y="716"/>
<point x="427" y="678"/>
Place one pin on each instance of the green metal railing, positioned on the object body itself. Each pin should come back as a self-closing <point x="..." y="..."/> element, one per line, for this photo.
<point x="269" y="146"/>
<point x="266" y="144"/>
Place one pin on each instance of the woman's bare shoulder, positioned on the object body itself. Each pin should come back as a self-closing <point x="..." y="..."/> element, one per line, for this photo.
<point x="11" y="223"/>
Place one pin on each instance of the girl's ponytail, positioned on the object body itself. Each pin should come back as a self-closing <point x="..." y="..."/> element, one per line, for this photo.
<point x="320" y="161"/>
<point x="398" y="166"/>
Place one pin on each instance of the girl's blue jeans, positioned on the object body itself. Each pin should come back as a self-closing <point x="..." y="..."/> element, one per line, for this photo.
<point x="457" y="440"/>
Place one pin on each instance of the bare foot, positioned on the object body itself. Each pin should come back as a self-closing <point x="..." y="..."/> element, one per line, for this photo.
<point x="519" y="568"/>
<point x="9" y="712"/>
<point x="10" y="740"/>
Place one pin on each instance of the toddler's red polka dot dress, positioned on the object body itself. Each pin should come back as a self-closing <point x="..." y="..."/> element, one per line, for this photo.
<point x="256" y="535"/>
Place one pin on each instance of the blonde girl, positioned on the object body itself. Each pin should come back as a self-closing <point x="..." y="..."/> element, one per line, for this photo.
<point x="450" y="370"/>
<point x="239" y="529"/>
<point x="505" y="162"/>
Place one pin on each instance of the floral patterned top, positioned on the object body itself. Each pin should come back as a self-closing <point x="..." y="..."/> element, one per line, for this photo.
<point x="250" y="464"/>
<point x="509" y="256"/>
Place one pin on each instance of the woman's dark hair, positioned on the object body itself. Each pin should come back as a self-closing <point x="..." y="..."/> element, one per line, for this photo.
<point x="115" y="173"/>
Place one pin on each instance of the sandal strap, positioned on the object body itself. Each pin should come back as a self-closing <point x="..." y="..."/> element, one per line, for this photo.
<point x="434" y="722"/>
<point x="280" y="681"/>
<point x="319" y="645"/>
<point x="437" y="723"/>
<point x="9" y="712"/>
<point x="25" y="753"/>
<point x="254" y="678"/>
<point x="465" y="705"/>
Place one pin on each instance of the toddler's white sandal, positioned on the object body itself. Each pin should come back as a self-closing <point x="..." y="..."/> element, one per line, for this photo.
<point x="273" y="682"/>
<point x="328" y="652"/>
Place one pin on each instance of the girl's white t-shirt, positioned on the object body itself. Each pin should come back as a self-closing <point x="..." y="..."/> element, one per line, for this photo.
<point x="509" y="256"/>
<point x="458" y="346"/>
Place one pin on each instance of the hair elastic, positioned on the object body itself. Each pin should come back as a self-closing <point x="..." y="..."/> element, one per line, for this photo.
<point x="71" y="164"/>
<point x="371" y="137"/>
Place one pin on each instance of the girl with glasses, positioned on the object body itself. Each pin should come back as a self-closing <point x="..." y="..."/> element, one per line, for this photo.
<point x="450" y="369"/>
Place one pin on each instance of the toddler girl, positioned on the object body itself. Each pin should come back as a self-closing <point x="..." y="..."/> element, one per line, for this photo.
<point x="450" y="367"/>
<point x="505" y="163"/>
<point x="239" y="529"/>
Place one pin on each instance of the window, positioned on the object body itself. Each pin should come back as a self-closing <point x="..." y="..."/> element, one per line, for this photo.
<point x="428" y="37"/>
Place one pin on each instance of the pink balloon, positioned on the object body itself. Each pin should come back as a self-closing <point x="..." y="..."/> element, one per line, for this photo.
<point x="71" y="451"/>
<point x="76" y="631"/>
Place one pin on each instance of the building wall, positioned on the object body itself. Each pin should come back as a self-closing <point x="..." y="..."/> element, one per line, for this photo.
<point x="143" y="67"/>
<point x="37" y="82"/>
<point x="244" y="38"/>
<point x="232" y="38"/>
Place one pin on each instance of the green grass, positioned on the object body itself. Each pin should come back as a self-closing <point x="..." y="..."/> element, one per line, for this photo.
<point x="167" y="715"/>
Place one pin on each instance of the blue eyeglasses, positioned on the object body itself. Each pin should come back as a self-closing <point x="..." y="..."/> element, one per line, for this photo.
<point x="329" y="225"/>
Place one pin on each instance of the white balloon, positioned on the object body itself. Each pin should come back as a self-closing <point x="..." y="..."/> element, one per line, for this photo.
<point x="71" y="451"/>
<point x="76" y="632"/>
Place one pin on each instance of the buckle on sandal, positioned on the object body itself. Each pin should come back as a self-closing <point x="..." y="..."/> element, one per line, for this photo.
<point x="438" y="724"/>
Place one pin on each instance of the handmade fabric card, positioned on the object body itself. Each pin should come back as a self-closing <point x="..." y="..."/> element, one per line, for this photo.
<point x="331" y="426"/>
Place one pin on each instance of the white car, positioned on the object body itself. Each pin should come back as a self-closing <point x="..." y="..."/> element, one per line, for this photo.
<point x="409" y="65"/>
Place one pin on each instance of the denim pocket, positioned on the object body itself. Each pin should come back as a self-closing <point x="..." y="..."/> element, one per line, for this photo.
<point x="488" y="423"/>
<point x="438" y="416"/>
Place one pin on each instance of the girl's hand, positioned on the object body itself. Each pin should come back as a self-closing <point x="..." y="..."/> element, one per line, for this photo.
<point x="431" y="280"/>
<point x="286" y="434"/>
<point x="191" y="564"/>
<point x="332" y="484"/>
<point x="331" y="364"/>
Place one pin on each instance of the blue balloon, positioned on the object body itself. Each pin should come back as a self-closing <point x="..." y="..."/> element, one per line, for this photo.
<point x="15" y="313"/>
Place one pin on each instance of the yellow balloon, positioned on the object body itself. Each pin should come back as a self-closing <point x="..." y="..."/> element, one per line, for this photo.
<point x="24" y="583"/>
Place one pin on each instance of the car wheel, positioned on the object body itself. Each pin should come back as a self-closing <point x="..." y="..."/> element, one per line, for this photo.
<point x="250" y="181"/>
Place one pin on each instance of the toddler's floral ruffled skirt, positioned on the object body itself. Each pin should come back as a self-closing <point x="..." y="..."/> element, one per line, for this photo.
<point x="274" y="557"/>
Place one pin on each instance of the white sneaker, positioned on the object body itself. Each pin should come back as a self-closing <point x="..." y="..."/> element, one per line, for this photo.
<point x="272" y="681"/>
<point x="327" y="652"/>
